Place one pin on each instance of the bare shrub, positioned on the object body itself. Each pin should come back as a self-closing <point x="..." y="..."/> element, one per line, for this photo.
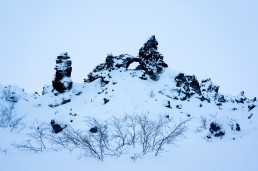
<point x="154" y="135"/>
<point x="152" y="94"/>
<point x="120" y="134"/>
<point x="8" y="117"/>
<point x="148" y="134"/>
<point x="38" y="138"/>
<point x="114" y="137"/>
<point x="203" y="122"/>
<point x="9" y="95"/>
<point x="3" y="151"/>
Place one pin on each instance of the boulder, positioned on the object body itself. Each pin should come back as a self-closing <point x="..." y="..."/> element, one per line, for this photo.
<point x="56" y="127"/>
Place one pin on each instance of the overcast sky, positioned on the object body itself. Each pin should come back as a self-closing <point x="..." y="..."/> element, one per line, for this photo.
<point x="207" y="38"/>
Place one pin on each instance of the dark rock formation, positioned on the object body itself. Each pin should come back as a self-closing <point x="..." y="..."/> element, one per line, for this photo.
<point x="168" y="105"/>
<point x="216" y="130"/>
<point x="112" y="63"/>
<point x="237" y="127"/>
<point x="241" y="98"/>
<point x="204" y="99"/>
<point x="62" y="81"/>
<point x="250" y="107"/>
<point x="60" y="101"/>
<point x="56" y="127"/>
<point x="94" y="130"/>
<point x="221" y="99"/>
<point x="189" y="84"/>
<point x="151" y="61"/>
<point x="208" y="86"/>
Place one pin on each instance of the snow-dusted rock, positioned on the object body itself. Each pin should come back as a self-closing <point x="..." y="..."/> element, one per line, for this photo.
<point x="151" y="61"/>
<point x="62" y="81"/>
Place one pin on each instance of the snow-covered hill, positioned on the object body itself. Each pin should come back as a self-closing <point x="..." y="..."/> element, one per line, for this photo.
<point x="185" y="123"/>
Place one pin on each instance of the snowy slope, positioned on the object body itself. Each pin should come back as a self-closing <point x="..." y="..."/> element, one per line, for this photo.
<point x="220" y="131"/>
<point x="133" y="95"/>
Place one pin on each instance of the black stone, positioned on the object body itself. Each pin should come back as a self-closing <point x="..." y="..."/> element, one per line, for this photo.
<point x="249" y="117"/>
<point x="219" y="134"/>
<point x="64" y="101"/>
<point x="105" y="101"/>
<point x="250" y="107"/>
<point x="237" y="127"/>
<point x="214" y="127"/>
<point x="94" y="130"/>
<point x="189" y="84"/>
<point x="168" y="106"/>
<point x="56" y="127"/>
<point x="221" y="99"/>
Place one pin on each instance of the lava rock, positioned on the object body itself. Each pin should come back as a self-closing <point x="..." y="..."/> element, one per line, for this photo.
<point x="102" y="71"/>
<point x="143" y="77"/>
<point x="208" y="86"/>
<point x="62" y="81"/>
<point x="168" y="105"/>
<point x="250" y="116"/>
<point x="214" y="127"/>
<point x="64" y="101"/>
<point x="219" y="104"/>
<point x="241" y="98"/>
<point x="105" y="101"/>
<point x="204" y="99"/>
<point x="189" y="84"/>
<point x="94" y="130"/>
<point x="237" y="127"/>
<point x="221" y="99"/>
<point x="56" y="127"/>
<point x="216" y="130"/>
<point x="250" y="107"/>
<point x="219" y="134"/>
<point x="254" y="99"/>
<point x="179" y="106"/>
<point x="151" y="61"/>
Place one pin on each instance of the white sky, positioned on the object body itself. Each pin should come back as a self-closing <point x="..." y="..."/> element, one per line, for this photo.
<point x="208" y="38"/>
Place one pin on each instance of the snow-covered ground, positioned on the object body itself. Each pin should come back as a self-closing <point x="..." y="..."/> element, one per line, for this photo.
<point x="125" y="93"/>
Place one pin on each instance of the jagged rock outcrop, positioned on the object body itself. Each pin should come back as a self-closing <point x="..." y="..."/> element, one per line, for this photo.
<point x="241" y="98"/>
<point x="103" y="70"/>
<point x="62" y="81"/>
<point x="208" y="87"/>
<point x="151" y="61"/>
<point x="189" y="84"/>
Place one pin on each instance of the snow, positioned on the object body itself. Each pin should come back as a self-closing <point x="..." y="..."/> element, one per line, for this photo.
<point x="127" y="94"/>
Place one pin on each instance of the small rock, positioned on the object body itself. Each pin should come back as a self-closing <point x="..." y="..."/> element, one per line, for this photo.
<point x="105" y="101"/>
<point x="250" y="107"/>
<point x="56" y="127"/>
<point x="94" y="130"/>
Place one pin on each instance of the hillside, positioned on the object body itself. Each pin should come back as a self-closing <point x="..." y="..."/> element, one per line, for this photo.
<point x="130" y="113"/>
